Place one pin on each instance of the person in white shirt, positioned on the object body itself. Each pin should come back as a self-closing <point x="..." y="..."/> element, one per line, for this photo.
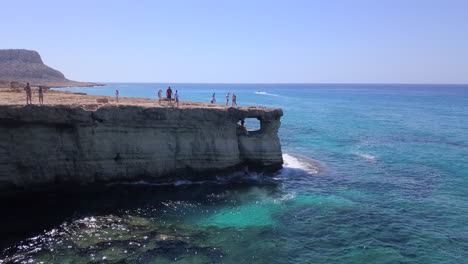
<point x="160" y="95"/>
<point x="227" y="99"/>
<point x="176" y="96"/>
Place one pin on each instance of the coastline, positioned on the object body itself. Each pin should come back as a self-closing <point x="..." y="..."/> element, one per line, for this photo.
<point x="77" y="85"/>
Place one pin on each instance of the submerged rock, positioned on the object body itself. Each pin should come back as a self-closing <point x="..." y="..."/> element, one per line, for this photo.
<point x="112" y="239"/>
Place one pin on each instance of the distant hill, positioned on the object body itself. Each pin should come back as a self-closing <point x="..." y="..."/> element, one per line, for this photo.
<point x="22" y="66"/>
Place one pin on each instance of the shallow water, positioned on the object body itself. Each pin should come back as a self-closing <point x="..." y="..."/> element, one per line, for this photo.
<point x="390" y="185"/>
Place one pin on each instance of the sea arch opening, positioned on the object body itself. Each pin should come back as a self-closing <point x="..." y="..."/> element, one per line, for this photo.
<point x="250" y="125"/>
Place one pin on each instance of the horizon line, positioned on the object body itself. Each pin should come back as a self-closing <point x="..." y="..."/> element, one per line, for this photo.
<point x="282" y="83"/>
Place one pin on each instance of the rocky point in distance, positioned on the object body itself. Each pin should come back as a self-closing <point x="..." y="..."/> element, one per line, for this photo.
<point x="20" y="66"/>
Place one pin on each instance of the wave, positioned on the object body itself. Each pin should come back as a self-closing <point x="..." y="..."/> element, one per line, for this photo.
<point x="285" y="197"/>
<point x="294" y="161"/>
<point x="265" y="93"/>
<point x="366" y="156"/>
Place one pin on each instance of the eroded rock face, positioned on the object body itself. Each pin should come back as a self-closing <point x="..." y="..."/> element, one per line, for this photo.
<point x="83" y="144"/>
<point x="20" y="55"/>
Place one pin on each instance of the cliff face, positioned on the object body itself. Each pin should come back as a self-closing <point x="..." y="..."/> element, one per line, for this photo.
<point x="73" y="144"/>
<point x="26" y="66"/>
<point x="19" y="55"/>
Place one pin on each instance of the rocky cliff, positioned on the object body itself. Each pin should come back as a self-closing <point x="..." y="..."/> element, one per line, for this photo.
<point x="23" y="66"/>
<point x="47" y="145"/>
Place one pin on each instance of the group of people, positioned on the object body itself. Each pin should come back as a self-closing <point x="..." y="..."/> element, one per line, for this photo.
<point x="234" y="99"/>
<point x="169" y="95"/>
<point x="28" y="91"/>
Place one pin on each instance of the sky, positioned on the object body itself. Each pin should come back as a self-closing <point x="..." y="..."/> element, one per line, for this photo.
<point x="244" y="41"/>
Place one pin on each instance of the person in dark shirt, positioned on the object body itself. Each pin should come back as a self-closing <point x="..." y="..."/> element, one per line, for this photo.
<point x="27" y="89"/>
<point x="234" y="99"/>
<point x="169" y="94"/>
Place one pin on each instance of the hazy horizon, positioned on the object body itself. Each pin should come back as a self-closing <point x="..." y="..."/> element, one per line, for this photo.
<point x="280" y="83"/>
<point x="207" y="41"/>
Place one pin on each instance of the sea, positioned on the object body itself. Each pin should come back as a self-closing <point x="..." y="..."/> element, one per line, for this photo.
<point x="373" y="173"/>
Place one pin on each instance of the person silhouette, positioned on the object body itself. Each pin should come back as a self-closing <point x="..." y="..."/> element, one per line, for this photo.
<point x="176" y="97"/>
<point x="213" y="99"/>
<point x="169" y="94"/>
<point x="27" y="89"/>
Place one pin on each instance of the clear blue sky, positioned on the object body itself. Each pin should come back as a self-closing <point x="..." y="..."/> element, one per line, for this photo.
<point x="245" y="41"/>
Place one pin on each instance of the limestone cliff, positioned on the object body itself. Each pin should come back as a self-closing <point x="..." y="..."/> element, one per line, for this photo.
<point x="46" y="145"/>
<point x="23" y="66"/>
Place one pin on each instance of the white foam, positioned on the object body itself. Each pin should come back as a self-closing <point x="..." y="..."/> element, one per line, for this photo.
<point x="284" y="198"/>
<point x="265" y="93"/>
<point x="292" y="162"/>
<point x="302" y="163"/>
<point x="366" y="156"/>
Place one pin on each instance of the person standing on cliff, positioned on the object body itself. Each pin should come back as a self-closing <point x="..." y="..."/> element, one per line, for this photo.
<point x="213" y="99"/>
<point x="176" y="97"/>
<point x="117" y="95"/>
<point x="41" y="95"/>
<point x="160" y="96"/>
<point x="234" y="99"/>
<point x="227" y="99"/>
<point x="28" y="94"/>
<point x="169" y="94"/>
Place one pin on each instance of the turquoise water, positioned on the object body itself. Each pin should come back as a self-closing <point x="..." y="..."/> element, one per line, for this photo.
<point x="389" y="185"/>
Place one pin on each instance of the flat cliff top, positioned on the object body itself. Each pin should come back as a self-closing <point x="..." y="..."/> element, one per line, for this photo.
<point x="17" y="98"/>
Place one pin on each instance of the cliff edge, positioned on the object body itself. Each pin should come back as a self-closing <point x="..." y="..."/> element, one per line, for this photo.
<point x="67" y="144"/>
<point x="19" y="65"/>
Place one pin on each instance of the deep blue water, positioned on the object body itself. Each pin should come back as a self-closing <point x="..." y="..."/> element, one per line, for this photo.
<point x="391" y="187"/>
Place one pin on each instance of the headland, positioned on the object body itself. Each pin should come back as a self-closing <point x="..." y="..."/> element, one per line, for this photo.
<point x="72" y="139"/>
<point x="20" y="66"/>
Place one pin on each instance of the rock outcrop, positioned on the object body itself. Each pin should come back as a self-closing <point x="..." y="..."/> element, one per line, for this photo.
<point x="23" y="66"/>
<point x="47" y="145"/>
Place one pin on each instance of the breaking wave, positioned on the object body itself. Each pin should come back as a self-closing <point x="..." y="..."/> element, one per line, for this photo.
<point x="294" y="161"/>
<point x="265" y="93"/>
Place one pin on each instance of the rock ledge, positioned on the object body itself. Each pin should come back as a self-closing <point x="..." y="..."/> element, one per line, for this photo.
<point x="68" y="144"/>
